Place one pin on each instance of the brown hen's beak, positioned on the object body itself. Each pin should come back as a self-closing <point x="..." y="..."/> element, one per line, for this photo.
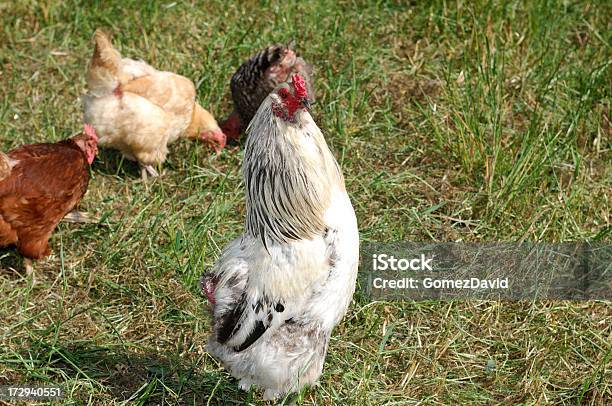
<point x="306" y="104"/>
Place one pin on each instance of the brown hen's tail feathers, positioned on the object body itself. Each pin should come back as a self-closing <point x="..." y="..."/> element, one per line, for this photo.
<point x="104" y="70"/>
<point x="6" y="164"/>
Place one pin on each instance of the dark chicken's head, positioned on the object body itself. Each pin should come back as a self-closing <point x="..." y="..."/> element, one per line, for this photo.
<point x="88" y="142"/>
<point x="289" y="98"/>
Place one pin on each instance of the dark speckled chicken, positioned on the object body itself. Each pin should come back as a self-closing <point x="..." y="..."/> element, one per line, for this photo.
<point x="257" y="77"/>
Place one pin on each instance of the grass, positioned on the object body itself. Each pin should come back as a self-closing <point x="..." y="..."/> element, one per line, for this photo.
<point x="467" y="121"/>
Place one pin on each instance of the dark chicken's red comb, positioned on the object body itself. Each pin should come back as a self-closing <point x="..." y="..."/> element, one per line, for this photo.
<point x="300" y="86"/>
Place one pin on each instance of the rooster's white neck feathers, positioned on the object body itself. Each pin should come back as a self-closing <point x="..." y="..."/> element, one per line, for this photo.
<point x="289" y="174"/>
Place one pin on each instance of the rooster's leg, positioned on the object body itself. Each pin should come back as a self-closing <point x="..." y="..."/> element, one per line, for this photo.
<point x="76" y="216"/>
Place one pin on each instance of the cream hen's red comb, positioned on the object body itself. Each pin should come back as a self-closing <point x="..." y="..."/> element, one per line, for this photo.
<point x="300" y="86"/>
<point x="90" y="132"/>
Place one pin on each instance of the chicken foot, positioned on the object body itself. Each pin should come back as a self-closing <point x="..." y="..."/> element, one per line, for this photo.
<point x="29" y="268"/>
<point x="147" y="170"/>
<point x="76" y="216"/>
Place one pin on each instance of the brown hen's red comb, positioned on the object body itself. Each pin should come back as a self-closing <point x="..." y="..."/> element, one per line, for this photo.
<point x="300" y="86"/>
<point x="90" y="132"/>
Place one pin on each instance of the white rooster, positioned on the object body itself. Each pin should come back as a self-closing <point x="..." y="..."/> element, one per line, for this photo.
<point x="279" y="289"/>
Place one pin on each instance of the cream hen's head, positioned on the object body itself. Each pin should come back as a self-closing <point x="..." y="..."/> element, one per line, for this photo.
<point x="204" y="126"/>
<point x="215" y="138"/>
<point x="88" y="142"/>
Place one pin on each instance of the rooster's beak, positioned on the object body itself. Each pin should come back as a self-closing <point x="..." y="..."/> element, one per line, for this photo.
<point x="306" y="104"/>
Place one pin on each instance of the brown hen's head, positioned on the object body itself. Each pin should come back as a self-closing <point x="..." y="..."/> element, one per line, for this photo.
<point x="88" y="142"/>
<point x="290" y="98"/>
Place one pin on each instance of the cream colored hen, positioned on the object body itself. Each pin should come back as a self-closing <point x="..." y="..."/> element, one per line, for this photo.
<point x="140" y="110"/>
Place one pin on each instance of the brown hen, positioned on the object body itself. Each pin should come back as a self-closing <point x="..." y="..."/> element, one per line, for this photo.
<point x="39" y="185"/>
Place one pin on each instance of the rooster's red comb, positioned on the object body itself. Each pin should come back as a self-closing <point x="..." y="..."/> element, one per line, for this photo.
<point x="299" y="84"/>
<point x="90" y="132"/>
